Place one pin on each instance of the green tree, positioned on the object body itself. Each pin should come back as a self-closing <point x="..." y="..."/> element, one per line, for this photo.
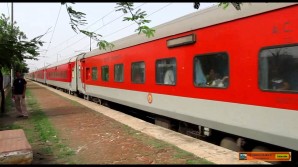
<point x="77" y="19"/>
<point x="14" y="49"/>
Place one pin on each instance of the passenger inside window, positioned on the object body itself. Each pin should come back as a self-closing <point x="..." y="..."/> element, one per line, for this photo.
<point x="278" y="82"/>
<point x="212" y="77"/>
<point x="138" y="78"/>
<point x="211" y="70"/>
<point x="138" y="72"/>
<point x="278" y="69"/>
<point x="169" y="77"/>
<point x="166" y="71"/>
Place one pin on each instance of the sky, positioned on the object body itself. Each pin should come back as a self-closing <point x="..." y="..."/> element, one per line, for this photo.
<point x="62" y="42"/>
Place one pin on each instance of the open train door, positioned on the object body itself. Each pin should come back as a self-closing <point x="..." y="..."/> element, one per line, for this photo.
<point x="80" y="63"/>
<point x="87" y="77"/>
<point x="83" y="72"/>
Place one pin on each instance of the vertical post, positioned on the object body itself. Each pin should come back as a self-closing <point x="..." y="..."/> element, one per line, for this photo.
<point x="11" y="72"/>
<point x="90" y="43"/>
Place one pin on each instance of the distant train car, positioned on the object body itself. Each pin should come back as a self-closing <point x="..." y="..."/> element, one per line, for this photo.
<point x="224" y="73"/>
<point x="40" y="75"/>
<point x="30" y="75"/>
<point x="60" y="74"/>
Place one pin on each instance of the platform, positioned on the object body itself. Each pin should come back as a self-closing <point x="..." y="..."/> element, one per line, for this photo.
<point x="14" y="147"/>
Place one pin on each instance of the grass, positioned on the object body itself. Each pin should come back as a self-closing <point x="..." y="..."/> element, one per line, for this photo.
<point x="159" y="144"/>
<point x="47" y="134"/>
<point x="10" y="127"/>
<point x="39" y="131"/>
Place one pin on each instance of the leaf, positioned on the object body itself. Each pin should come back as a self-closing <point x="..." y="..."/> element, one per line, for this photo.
<point x="138" y="17"/>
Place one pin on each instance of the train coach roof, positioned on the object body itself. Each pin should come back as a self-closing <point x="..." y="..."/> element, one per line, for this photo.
<point x="39" y="69"/>
<point x="59" y="63"/>
<point x="73" y="59"/>
<point x="203" y="18"/>
<point x="65" y="61"/>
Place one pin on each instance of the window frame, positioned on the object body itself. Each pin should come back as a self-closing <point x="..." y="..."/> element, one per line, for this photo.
<point x="131" y="71"/>
<point x="209" y="54"/>
<point x="92" y="73"/>
<point x="102" y="73"/>
<point x="122" y="72"/>
<point x="175" y="72"/>
<point x="258" y="70"/>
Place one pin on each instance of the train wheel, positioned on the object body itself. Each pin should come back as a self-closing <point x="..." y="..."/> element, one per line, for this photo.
<point x="98" y="101"/>
<point x="260" y="149"/>
<point x="105" y="103"/>
<point x="230" y="143"/>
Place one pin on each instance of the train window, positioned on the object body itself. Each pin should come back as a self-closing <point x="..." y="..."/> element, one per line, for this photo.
<point x="138" y="72"/>
<point x="119" y="72"/>
<point x="94" y="73"/>
<point x="166" y="71"/>
<point x="105" y="73"/>
<point x="278" y="69"/>
<point x="211" y="70"/>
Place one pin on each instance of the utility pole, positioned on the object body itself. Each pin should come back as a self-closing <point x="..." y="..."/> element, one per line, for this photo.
<point x="11" y="72"/>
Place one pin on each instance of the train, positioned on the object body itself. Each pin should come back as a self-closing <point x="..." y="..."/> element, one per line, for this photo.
<point x="222" y="73"/>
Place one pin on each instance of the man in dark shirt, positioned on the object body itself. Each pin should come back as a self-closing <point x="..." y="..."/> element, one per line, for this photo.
<point x="19" y="88"/>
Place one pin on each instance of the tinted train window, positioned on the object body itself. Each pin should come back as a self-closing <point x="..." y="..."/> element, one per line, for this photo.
<point x="105" y="73"/>
<point x="94" y="73"/>
<point x="278" y="69"/>
<point x="64" y="74"/>
<point x="119" y="72"/>
<point x="138" y="72"/>
<point x="166" y="71"/>
<point x="211" y="70"/>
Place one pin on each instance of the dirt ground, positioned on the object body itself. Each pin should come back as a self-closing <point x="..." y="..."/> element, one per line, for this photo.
<point x="95" y="138"/>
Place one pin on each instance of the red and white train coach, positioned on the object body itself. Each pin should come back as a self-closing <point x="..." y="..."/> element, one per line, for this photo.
<point x="59" y="74"/>
<point x="168" y="75"/>
<point x="213" y="71"/>
<point x="40" y="75"/>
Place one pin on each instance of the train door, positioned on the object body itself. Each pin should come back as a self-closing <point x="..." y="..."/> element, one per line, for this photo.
<point x="83" y="75"/>
<point x="73" y="80"/>
<point x="69" y="76"/>
<point x="88" y="75"/>
<point x="44" y="76"/>
<point x="79" y="77"/>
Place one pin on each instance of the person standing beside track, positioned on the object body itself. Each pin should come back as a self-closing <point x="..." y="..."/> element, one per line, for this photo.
<point x="19" y="89"/>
